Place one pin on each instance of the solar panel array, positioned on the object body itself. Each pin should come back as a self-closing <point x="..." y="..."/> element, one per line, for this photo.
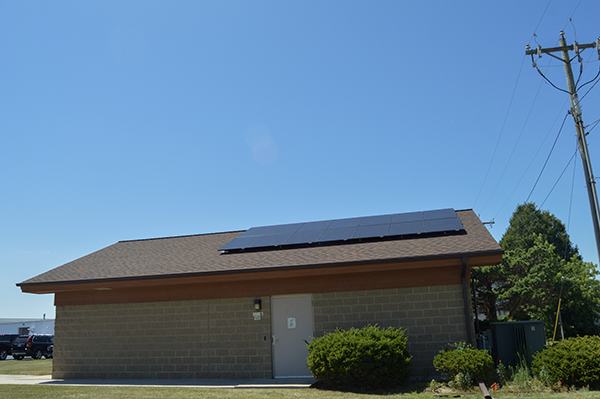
<point x="341" y="230"/>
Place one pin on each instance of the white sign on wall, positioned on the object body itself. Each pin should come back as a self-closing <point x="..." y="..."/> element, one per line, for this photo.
<point x="291" y="323"/>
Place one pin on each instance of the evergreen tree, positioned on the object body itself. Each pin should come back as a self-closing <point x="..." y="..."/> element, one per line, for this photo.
<point x="535" y="273"/>
<point x="527" y="222"/>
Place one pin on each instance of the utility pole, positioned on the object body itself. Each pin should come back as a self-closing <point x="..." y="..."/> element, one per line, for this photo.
<point x="576" y="112"/>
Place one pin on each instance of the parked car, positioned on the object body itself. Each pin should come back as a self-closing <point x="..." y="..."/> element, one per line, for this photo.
<point x="36" y="346"/>
<point x="6" y="341"/>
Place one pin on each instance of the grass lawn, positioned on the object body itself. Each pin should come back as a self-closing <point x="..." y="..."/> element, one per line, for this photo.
<point x="27" y="366"/>
<point x="53" y="391"/>
<point x="44" y="367"/>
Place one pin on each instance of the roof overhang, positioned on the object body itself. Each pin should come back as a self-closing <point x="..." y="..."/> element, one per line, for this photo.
<point x="256" y="281"/>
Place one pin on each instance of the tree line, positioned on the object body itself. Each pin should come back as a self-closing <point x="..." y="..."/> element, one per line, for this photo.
<point x="540" y="266"/>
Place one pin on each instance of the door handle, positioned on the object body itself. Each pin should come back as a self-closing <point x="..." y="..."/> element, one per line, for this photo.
<point x="274" y="340"/>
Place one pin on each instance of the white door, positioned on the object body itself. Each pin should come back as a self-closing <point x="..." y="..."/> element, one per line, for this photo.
<point x="292" y="324"/>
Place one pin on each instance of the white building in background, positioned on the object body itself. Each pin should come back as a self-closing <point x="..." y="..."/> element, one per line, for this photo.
<point x="27" y="326"/>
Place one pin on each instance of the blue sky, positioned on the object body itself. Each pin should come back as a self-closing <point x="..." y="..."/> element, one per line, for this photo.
<point x="139" y="119"/>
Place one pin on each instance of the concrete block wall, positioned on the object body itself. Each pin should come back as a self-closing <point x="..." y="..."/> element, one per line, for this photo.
<point x="219" y="338"/>
<point x="196" y="339"/>
<point x="431" y="316"/>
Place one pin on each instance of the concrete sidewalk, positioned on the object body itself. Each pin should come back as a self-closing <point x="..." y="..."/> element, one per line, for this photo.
<point x="263" y="383"/>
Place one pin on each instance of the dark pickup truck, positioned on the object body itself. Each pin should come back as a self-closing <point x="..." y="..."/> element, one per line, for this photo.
<point x="6" y="341"/>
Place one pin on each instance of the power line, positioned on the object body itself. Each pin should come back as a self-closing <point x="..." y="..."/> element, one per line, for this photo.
<point x="534" y="36"/>
<point x="594" y="125"/>
<point x="512" y="97"/>
<point x="559" y="177"/>
<point x="540" y="21"/>
<point x="506" y="116"/>
<point x="548" y="80"/>
<point x="595" y="77"/>
<point x="528" y="166"/>
<point x="508" y="111"/>
<point x="571" y="18"/>
<point x="590" y="89"/>
<point x="514" y="148"/>
<point x="548" y="157"/>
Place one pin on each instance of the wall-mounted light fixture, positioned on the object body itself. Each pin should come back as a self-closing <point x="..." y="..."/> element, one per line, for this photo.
<point x="257" y="304"/>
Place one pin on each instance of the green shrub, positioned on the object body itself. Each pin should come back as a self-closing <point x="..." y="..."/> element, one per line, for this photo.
<point x="573" y="362"/>
<point x="464" y="365"/>
<point x="367" y="358"/>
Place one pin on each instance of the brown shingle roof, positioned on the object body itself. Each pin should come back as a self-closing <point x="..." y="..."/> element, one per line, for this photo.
<point x="197" y="255"/>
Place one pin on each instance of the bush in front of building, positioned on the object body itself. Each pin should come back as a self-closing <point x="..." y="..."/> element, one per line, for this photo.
<point x="464" y="365"/>
<point x="574" y="362"/>
<point x="370" y="357"/>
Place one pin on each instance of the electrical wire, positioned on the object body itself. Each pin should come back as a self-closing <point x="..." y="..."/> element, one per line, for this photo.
<point x="571" y="22"/>
<point x="595" y="123"/>
<point x="518" y="139"/>
<point x="512" y="97"/>
<point x="548" y="80"/>
<point x="571" y="17"/>
<point x="559" y="177"/>
<point x="540" y="21"/>
<point x="578" y="57"/>
<point x="515" y="189"/>
<point x="590" y="89"/>
<point x="514" y="148"/>
<point x="596" y="77"/>
<point x="580" y="73"/>
<point x="548" y="157"/>
<point x="577" y="53"/>
<point x="530" y="163"/>
<point x="509" y="108"/>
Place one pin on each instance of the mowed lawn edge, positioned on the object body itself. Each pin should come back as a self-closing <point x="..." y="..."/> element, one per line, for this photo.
<point x="44" y="367"/>
<point x="26" y="366"/>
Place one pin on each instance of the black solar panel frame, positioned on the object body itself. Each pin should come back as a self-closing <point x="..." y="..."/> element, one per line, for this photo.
<point x="390" y="226"/>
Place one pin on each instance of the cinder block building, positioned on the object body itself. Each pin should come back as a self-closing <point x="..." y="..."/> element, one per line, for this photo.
<point x="241" y="304"/>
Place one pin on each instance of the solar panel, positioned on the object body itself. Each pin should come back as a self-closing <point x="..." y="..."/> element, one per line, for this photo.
<point x="337" y="234"/>
<point x="240" y="242"/>
<point x="407" y="228"/>
<point x="304" y="237"/>
<point x="286" y="228"/>
<point x="407" y="217"/>
<point x="372" y="231"/>
<point x="439" y="214"/>
<point x="344" y="223"/>
<point x="259" y="231"/>
<point x="313" y="226"/>
<point x="376" y="220"/>
<point x="438" y="225"/>
<point x="271" y="240"/>
<point x="398" y="225"/>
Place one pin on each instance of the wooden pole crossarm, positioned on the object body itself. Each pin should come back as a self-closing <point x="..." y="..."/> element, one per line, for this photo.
<point x="557" y="49"/>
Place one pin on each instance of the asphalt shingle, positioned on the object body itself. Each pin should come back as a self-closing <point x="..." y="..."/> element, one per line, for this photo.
<point x="198" y="254"/>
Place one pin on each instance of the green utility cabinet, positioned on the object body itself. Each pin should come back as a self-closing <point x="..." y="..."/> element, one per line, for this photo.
<point x="515" y="340"/>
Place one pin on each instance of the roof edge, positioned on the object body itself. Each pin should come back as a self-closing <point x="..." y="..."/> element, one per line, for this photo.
<point x="476" y="254"/>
